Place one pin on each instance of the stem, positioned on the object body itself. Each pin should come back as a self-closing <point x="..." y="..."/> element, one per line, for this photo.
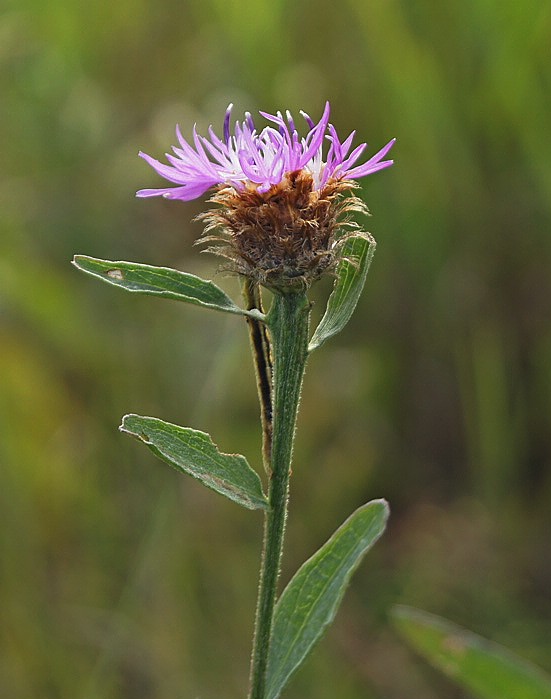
<point x="288" y="324"/>
<point x="260" y="346"/>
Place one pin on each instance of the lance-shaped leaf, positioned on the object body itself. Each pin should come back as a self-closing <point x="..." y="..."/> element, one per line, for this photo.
<point x="158" y="281"/>
<point x="193" y="452"/>
<point x="486" y="669"/>
<point x="357" y="253"/>
<point x="310" y="601"/>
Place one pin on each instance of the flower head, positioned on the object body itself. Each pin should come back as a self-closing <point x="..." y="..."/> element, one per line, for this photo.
<point x="280" y="198"/>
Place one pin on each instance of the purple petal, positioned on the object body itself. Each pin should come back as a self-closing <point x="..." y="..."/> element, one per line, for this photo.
<point x="362" y="171"/>
<point x="353" y="157"/>
<point x="274" y="118"/>
<point x="345" y="146"/>
<point x="374" y="164"/>
<point x="216" y="153"/>
<point x="250" y="122"/>
<point x="223" y="147"/>
<point x="189" y="192"/>
<point x="151" y="192"/>
<point x="308" y="119"/>
<point x="187" y="150"/>
<point x="290" y="120"/>
<point x="227" y="123"/>
<point x="165" y="171"/>
<point x="260" y="158"/>
<point x="316" y="135"/>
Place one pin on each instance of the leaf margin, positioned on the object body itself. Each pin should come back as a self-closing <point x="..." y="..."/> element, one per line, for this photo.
<point x="110" y="272"/>
<point x="456" y="641"/>
<point x="276" y="678"/>
<point x="352" y="273"/>
<point x="247" y="498"/>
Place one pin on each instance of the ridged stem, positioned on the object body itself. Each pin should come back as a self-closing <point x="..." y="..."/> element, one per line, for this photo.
<point x="288" y="326"/>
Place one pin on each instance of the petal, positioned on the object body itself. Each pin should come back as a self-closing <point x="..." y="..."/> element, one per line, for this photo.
<point x="169" y="173"/>
<point x="366" y="169"/>
<point x="227" y="123"/>
<point x="353" y="157"/>
<point x="185" y="192"/>
<point x="375" y="163"/>
<point x="316" y="137"/>
<point x="188" y="192"/>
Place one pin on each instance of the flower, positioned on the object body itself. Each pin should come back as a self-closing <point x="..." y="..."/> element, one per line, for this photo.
<point x="281" y="211"/>
<point x="261" y="160"/>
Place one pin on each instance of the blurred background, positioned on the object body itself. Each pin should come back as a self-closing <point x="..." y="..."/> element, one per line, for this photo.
<point x="121" y="579"/>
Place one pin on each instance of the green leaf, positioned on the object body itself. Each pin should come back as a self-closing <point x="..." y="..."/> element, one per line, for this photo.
<point x="486" y="669"/>
<point x="158" y="281"/>
<point x="193" y="452"/>
<point x="357" y="253"/>
<point x="310" y="601"/>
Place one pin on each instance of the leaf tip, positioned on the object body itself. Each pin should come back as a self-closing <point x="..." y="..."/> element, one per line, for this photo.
<point x="84" y="262"/>
<point x="383" y="506"/>
<point x="401" y="612"/>
<point x="126" y="427"/>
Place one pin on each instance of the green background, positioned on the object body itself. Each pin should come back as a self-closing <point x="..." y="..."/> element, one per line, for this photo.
<point x="122" y="579"/>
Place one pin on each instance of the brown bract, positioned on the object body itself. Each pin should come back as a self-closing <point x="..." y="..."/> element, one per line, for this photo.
<point x="285" y="238"/>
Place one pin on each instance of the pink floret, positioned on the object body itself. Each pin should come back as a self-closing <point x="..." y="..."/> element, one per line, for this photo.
<point x="262" y="159"/>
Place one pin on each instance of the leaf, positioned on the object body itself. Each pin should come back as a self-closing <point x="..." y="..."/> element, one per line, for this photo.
<point x="158" y="281"/>
<point x="486" y="669"/>
<point x="357" y="253"/>
<point x="193" y="452"/>
<point x="310" y="601"/>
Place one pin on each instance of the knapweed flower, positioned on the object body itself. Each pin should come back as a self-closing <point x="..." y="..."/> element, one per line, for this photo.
<point x="281" y="208"/>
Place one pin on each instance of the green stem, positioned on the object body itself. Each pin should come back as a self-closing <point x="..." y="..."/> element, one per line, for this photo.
<point x="288" y="325"/>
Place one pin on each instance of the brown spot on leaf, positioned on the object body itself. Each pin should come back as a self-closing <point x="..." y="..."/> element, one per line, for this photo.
<point x="456" y="645"/>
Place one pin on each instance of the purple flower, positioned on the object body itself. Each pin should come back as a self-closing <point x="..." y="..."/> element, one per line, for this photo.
<point x="248" y="159"/>
<point x="283" y="203"/>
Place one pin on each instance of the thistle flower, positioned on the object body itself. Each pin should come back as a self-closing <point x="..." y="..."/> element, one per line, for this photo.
<point x="281" y="211"/>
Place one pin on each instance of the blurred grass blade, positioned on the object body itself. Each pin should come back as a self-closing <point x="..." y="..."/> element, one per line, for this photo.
<point x="158" y="281"/>
<point x="486" y="669"/>
<point x="193" y="452"/>
<point x="311" y="599"/>
<point x="357" y="253"/>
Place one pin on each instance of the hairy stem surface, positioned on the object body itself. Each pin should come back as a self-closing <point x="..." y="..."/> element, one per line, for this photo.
<point x="288" y="325"/>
